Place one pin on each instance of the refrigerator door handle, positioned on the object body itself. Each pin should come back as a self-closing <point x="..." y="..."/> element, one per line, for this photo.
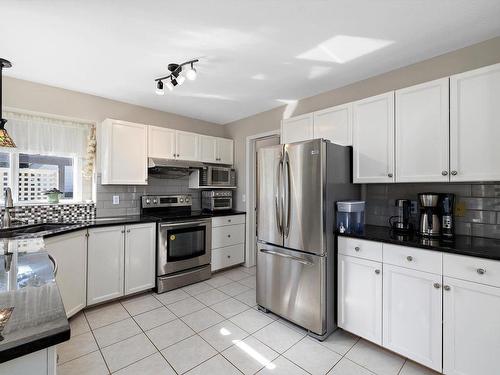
<point x="277" y="198"/>
<point x="286" y="195"/>
<point x="291" y="257"/>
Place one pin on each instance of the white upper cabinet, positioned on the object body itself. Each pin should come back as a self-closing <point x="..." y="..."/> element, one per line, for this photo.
<point x="422" y="132"/>
<point x="475" y="125"/>
<point x="187" y="146"/>
<point x="161" y="142"/>
<point x="224" y="151"/>
<point x="412" y="312"/>
<point x="297" y="129"/>
<point x="123" y="153"/>
<point x="208" y="149"/>
<point x="334" y="124"/>
<point x="373" y="139"/>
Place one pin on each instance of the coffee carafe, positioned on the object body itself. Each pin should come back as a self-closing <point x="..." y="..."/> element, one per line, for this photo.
<point x="430" y="225"/>
<point x="401" y="221"/>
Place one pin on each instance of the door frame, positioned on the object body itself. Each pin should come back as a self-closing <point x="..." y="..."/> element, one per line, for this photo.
<point x="251" y="240"/>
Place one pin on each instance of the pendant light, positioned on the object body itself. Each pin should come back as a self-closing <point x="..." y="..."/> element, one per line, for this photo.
<point x="5" y="139"/>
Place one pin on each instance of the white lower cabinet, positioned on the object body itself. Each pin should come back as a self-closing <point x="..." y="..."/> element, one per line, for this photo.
<point x="228" y="241"/>
<point x="360" y="297"/>
<point x="41" y="362"/>
<point x="412" y="313"/>
<point x="471" y="337"/>
<point x="70" y="253"/>
<point x="121" y="261"/>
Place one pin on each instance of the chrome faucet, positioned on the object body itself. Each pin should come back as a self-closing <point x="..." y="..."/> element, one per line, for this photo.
<point x="7" y="216"/>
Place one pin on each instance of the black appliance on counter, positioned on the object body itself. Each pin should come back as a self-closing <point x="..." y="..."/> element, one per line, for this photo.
<point x="447" y="204"/>
<point x="401" y="221"/>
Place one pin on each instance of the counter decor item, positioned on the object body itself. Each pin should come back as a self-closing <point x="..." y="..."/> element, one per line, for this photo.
<point x="351" y="217"/>
<point x="53" y="195"/>
<point x="91" y="151"/>
<point x="5" y="139"/>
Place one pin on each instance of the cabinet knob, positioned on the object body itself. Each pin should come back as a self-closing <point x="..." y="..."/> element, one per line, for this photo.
<point x="128" y="230"/>
<point x="481" y="271"/>
<point x="446" y="287"/>
<point x="123" y="231"/>
<point x="229" y="256"/>
<point x="389" y="175"/>
<point x="409" y="258"/>
<point x="444" y="173"/>
<point x="228" y="236"/>
<point x="437" y="285"/>
<point x="356" y="248"/>
<point x="377" y="272"/>
<point x="228" y="220"/>
<point x="454" y="173"/>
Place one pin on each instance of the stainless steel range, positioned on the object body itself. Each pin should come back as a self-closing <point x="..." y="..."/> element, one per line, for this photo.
<point x="184" y="241"/>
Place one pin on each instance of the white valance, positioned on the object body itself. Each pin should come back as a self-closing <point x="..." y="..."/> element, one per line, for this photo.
<point x="45" y="135"/>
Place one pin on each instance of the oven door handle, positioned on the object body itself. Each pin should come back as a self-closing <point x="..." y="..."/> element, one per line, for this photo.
<point x="184" y="224"/>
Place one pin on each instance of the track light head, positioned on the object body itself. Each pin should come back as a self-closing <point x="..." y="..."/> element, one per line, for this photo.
<point x="180" y="79"/>
<point x="159" y="88"/>
<point x="191" y="73"/>
<point x="169" y="85"/>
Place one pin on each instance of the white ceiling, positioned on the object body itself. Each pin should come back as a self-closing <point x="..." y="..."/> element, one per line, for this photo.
<point x="255" y="54"/>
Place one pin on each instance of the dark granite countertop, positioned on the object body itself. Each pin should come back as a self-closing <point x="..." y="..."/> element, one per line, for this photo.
<point x="33" y="312"/>
<point x="463" y="245"/>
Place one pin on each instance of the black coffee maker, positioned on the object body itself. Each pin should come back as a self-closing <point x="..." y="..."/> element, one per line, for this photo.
<point x="401" y="222"/>
<point x="446" y="204"/>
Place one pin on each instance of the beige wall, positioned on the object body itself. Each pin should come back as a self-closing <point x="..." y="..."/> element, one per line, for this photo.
<point x="475" y="56"/>
<point x="37" y="97"/>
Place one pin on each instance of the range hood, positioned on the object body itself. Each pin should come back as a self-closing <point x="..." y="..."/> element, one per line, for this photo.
<point x="170" y="168"/>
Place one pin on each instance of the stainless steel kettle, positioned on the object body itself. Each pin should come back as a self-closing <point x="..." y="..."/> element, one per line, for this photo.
<point x="430" y="225"/>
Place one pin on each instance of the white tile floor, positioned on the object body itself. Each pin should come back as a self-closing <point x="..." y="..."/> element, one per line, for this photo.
<point x="212" y="327"/>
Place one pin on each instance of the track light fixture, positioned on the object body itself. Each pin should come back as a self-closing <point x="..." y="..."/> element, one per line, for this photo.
<point x="176" y="78"/>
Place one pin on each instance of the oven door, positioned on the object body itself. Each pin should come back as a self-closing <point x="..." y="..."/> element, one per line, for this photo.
<point x="222" y="203"/>
<point x="219" y="176"/>
<point x="183" y="245"/>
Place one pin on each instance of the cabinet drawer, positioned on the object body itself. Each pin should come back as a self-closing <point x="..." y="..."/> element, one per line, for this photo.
<point x="220" y="221"/>
<point x="413" y="258"/>
<point x="228" y="256"/>
<point x="360" y="248"/>
<point x="479" y="270"/>
<point x="228" y="235"/>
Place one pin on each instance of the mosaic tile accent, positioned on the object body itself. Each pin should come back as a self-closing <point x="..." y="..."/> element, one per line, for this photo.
<point x="54" y="212"/>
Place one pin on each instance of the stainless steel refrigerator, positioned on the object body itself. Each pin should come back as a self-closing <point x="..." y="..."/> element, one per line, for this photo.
<point x="298" y="185"/>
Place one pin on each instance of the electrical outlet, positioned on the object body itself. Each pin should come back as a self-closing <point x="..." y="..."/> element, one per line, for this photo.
<point x="116" y="199"/>
<point x="243" y="198"/>
<point x="414" y="207"/>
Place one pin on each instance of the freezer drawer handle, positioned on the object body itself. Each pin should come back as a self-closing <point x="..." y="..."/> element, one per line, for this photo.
<point x="291" y="257"/>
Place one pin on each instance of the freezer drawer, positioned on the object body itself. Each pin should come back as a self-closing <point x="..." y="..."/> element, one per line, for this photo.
<point x="293" y="285"/>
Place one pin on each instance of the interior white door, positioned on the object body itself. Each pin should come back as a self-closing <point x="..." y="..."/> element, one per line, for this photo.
<point x="224" y="151"/>
<point x="422" y="132"/>
<point x="471" y="343"/>
<point x="373" y="139"/>
<point x="140" y="257"/>
<point x="187" y="145"/>
<point x="412" y="313"/>
<point x="105" y="264"/>
<point x="70" y="253"/>
<point x="161" y="142"/>
<point x="297" y="129"/>
<point x="474" y="125"/>
<point x="360" y="297"/>
<point x="334" y="124"/>
<point x="208" y="149"/>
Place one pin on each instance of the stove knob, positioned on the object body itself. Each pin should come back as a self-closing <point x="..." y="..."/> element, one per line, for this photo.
<point x="181" y="200"/>
<point x="148" y="201"/>
<point x="155" y="201"/>
<point x="187" y="200"/>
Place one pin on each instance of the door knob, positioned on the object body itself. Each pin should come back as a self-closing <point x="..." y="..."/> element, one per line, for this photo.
<point x="444" y="173"/>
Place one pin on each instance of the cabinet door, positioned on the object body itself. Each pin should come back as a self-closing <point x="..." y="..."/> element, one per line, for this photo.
<point x="297" y="129"/>
<point x="140" y="256"/>
<point x="125" y="153"/>
<point x="474" y="125"/>
<point x="208" y="149"/>
<point x="360" y="297"/>
<point x="161" y="142"/>
<point x="105" y="264"/>
<point x="373" y="139"/>
<point x="187" y="146"/>
<point x="422" y="132"/>
<point x="70" y="253"/>
<point x="225" y="151"/>
<point x="412" y="311"/>
<point x="471" y="342"/>
<point x="334" y="124"/>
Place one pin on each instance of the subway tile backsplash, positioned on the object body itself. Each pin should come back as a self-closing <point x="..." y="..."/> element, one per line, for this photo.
<point x="130" y="195"/>
<point x="481" y="203"/>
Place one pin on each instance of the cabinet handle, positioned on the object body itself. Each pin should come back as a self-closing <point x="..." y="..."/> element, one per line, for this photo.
<point x="377" y="272"/>
<point x="481" y="271"/>
<point x="446" y="287"/>
<point x="389" y="175"/>
<point x="444" y="173"/>
<point x="454" y="173"/>
<point x="409" y="258"/>
<point x="356" y="248"/>
<point x="437" y="285"/>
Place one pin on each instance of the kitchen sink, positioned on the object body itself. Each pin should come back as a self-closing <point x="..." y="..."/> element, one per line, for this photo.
<point x="30" y="229"/>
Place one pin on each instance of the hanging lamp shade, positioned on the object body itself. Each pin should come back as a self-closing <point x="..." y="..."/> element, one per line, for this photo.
<point x="5" y="139"/>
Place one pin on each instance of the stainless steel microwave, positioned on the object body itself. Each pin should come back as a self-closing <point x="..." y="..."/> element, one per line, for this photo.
<point x="217" y="176"/>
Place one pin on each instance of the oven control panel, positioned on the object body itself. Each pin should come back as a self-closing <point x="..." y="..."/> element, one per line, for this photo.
<point x="153" y="201"/>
